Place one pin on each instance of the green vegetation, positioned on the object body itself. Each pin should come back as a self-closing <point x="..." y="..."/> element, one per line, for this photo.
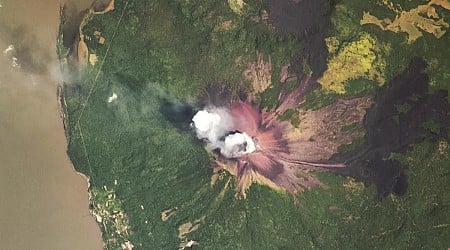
<point x="423" y="18"/>
<point x="318" y="99"/>
<point x="403" y="108"/>
<point x="432" y="126"/>
<point x="392" y="51"/>
<point x="361" y="58"/>
<point x="292" y="116"/>
<point x="356" y="126"/>
<point x="349" y="147"/>
<point x="141" y="165"/>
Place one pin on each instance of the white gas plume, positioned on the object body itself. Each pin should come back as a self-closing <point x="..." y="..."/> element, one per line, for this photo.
<point x="211" y="125"/>
<point x="215" y="126"/>
<point x="237" y="145"/>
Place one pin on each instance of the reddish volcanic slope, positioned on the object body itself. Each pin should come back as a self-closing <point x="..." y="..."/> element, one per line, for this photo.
<point x="286" y="156"/>
<point x="274" y="162"/>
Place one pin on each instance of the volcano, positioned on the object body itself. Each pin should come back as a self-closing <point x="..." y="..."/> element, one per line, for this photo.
<point x="253" y="145"/>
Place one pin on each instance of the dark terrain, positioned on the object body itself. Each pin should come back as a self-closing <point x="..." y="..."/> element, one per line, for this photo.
<point x="391" y="129"/>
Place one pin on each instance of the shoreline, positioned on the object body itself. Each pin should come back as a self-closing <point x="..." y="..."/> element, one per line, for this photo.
<point x="39" y="184"/>
<point x="81" y="59"/>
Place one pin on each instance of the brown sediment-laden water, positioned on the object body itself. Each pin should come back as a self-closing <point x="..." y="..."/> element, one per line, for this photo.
<point x="44" y="201"/>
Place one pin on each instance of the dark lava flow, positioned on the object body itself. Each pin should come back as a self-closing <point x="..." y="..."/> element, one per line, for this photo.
<point x="390" y="131"/>
<point x="309" y="21"/>
<point x="387" y="131"/>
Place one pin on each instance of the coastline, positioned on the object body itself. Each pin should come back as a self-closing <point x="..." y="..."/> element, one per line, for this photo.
<point x="78" y="56"/>
<point x="36" y="173"/>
